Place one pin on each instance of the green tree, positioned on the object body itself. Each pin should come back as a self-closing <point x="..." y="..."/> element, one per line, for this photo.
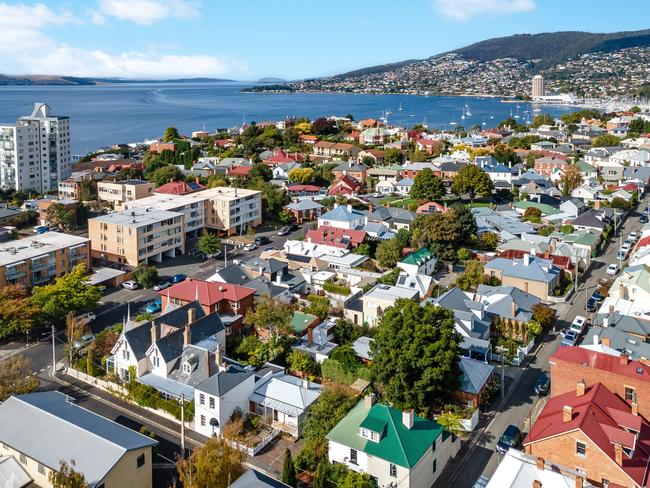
<point x="620" y="203"/>
<point x="416" y="356"/>
<point x="353" y="479"/>
<point x="146" y="275"/>
<point x="606" y="140"/>
<point x="17" y="312"/>
<point x="544" y="315"/>
<point x="427" y="186"/>
<point x="471" y="277"/>
<point x="362" y="249"/>
<point x="388" y="253"/>
<point x="171" y="133"/>
<point x="270" y="315"/>
<point x="87" y="190"/>
<point x="532" y="214"/>
<point x="69" y="293"/>
<point x="289" y="470"/>
<point x="67" y="477"/>
<point x="165" y="174"/>
<point x="300" y="362"/>
<point x="215" y="465"/>
<point x="451" y="422"/>
<point x="320" y="477"/>
<point x="472" y="180"/>
<point x="285" y="217"/>
<point x="393" y="155"/>
<point x="61" y="216"/>
<point x="543" y="119"/>
<point x="301" y="175"/>
<point x="262" y="171"/>
<point x="209" y="244"/>
<point x="273" y="200"/>
<point x="489" y="240"/>
<point x="17" y="377"/>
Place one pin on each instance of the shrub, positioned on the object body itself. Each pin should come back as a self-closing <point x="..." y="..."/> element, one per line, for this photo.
<point x="336" y="289"/>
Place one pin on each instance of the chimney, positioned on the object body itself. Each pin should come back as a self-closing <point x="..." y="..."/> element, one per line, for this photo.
<point x="513" y="310"/>
<point x="278" y="278"/>
<point x="606" y="342"/>
<point x="624" y="359"/>
<point x="540" y="463"/>
<point x="407" y="418"/>
<point x="579" y="482"/>
<point x="154" y="332"/>
<point x="580" y="388"/>
<point x="349" y="207"/>
<point x="526" y="259"/>
<point x="635" y="409"/>
<point x="618" y="453"/>
<point x="605" y="324"/>
<point x="305" y="383"/>
<point x="191" y="315"/>
<point x="525" y="286"/>
<point x="310" y="335"/>
<point x="369" y="400"/>
<point x="218" y="357"/>
<point x="537" y="484"/>
<point x="567" y="413"/>
<point x="186" y="336"/>
<point x="611" y="309"/>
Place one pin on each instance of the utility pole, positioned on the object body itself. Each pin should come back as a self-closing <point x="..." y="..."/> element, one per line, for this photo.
<point x="53" y="352"/>
<point x="182" y="426"/>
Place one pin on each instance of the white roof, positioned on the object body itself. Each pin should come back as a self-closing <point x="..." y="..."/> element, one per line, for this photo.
<point x="285" y="393"/>
<point x="12" y="474"/>
<point x="389" y="293"/>
<point x="165" y="201"/>
<point x="138" y="217"/>
<point x="38" y="245"/>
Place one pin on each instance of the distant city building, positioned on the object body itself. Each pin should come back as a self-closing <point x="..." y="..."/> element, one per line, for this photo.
<point x="35" y="151"/>
<point x="538" y="86"/>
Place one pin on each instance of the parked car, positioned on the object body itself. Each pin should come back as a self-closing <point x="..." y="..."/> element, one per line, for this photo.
<point x="85" y="318"/>
<point x="542" y="384"/>
<point x="250" y="247"/>
<point x="646" y="211"/>
<point x="155" y="306"/>
<point x="481" y="482"/>
<point x="84" y="341"/>
<point x="591" y="305"/>
<point x="285" y="231"/>
<point x="621" y="255"/>
<point x="643" y="219"/>
<point x="597" y="296"/>
<point x="177" y="278"/>
<point x="215" y="255"/>
<point x="294" y="227"/>
<point x="570" y="339"/>
<point x="41" y="229"/>
<point x="612" y="269"/>
<point x="633" y="236"/>
<point x="261" y="240"/>
<point x="511" y="437"/>
<point x="131" y="285"/>
<point x="579" y="325"/>
<point x="161" y="285"/>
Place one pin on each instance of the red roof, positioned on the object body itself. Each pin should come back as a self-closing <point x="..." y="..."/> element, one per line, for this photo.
<point x="333" y="236"/>
<point x="304" y="188"/>
<point x="602" y="361"/>
<point x="605" y="419"/>
<point x="239" y="171"/>
<point x="629" y="187"/>
<point x="563" y="262"/>
<point x="348" y="181"/>
<point x="430" y="207"/>
<point x="179" y="188"/>
<point x="208" y="292"/>
<point x="643" y="242"/>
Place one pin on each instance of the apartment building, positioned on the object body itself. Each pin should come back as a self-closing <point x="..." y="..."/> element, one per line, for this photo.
<point x="35" y="151"/>
<point x="117" y="193"/>
<point x="136" y="235"/>
<point x="227" y="210"/>
<point x="39" y="259"/>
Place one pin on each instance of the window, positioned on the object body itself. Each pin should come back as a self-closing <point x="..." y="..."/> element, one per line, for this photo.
<point x="140" y="460"/>
<point x="201" y="399"/>
<point x="23" y="458"/>
<point x="353" y="456"/>
<point x="435" y="465"/>
<point x="41" y="469"/>
<point x="581" y="449"/>
<point x="202" y="420"/>
<point x="211" y="402"/>
<point x="393" y="470"/>
<point x="630" y="394"/>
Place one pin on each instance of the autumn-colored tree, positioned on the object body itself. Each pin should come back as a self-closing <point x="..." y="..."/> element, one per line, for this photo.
<point x="67" y="477"/>
<point x="572" y="178"/>
<point x="17" y="312"/>
<point x="301" y="175"/>
<point x="270" y="315"/>
<point x="16" y="377"/>
<point x="215" y="465"/>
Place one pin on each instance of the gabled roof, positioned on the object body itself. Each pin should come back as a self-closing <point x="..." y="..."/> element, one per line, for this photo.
<point x="537" y="269"/>
<point x="208" y="293"/>
<point x="499" y="300"/>
<point x="222" y="382"/>
<point x="398" y="444"/>
<point x="266" y="265"/>
<point x="418" y="257"/>
<point x="171" y="345"/>
<point x="605" y="419"/>
<point x="335" y="236"/>
<point x="343" y="214"/>
<point x="286" y="393"/>
<point x="179" y="188"/>
<point x="46" y="427"/>
<point x="303" y="205"/>
<point x="596" y="360"/>
<point x="254" y="479"/>
<point x="475" y="374"/>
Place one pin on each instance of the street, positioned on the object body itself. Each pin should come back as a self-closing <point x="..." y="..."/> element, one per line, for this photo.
<point x="482" y="458"/>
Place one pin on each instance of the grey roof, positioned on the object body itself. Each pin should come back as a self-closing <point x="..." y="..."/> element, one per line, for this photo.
<point x="254" y="479"/>
<point x="534" y="271"/>
<point x="475" y="375"/>
<point x="620" y="340"/>
<point x="362" y="347"/>
<point x="264" y="287"/>
<point x="6" y="213"/>
<point x="304" y="204"/>
<point x="285" y="393"/>
<point x="221" y="383"/>
<point x="390" y="214"/>
<point x="625" y="323"/>
<point x="47" y="428"/>
<point x="588" y="219"/>
<point x="234" y="274"/>
<point x="171" y="345"/>
<point x="12" y="474"/>
<point x="464" y="309"/>
<point x="502" y="307"/>
<point x="267" y="265"/>
<point x="350" y="167"/>
<point x="342" y="214"/>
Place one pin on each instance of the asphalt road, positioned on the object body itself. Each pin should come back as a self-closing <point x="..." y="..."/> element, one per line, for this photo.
<point x="483" y="458"/>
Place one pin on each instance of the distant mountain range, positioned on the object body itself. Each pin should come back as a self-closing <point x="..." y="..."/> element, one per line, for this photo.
<point x="546" y="49"/>
<point x="73" y="80"/>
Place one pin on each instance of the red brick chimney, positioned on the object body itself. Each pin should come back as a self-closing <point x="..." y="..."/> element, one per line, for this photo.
<point x="567" y="413"/>
<point x="540" y="463"/>
<point x="618" y="453"/>
<point x="537" y="484"/>
<point x="580" y="388"/>
<point x="606" y="342"/>
<point x="634" y="409"/>
<point x="579" y="482"/>
<point x="624" y="359"/>
<point x="186" y="336"/>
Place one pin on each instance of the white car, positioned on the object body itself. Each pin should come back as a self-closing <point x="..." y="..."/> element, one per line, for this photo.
<point x="626" y="246"/>
<point x="250" y="247"/>
<point x="633" y="236"/>
<point x="85" y="318"/>
<point x="579" y="324"/>
<point x="612" y="269"/>
<point x="84" y="341"/>
<point x="131" y="285"/>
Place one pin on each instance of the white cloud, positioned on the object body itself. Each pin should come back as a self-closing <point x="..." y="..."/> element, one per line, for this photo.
<point x="147" y="12"/>
<point x="26" y="49"/>
<point x="464" y="10"/>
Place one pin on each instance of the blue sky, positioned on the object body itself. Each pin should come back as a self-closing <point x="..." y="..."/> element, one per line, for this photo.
<point x="291" y="39"/>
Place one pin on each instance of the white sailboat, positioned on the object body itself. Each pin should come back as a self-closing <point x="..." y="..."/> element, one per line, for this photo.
<point x="468" y="112"/>
<point x="400" y="107"/>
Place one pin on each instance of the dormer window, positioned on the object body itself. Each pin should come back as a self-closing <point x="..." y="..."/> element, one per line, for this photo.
<point x="187" y="368"/>
<point x="369" y="434"/>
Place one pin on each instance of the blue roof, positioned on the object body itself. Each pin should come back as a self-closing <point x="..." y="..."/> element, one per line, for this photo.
<point x="475" y="375"/>
<point x="342" y="214"/>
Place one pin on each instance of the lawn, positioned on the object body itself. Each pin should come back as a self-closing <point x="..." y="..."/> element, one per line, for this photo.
<point x="399" y="202"/>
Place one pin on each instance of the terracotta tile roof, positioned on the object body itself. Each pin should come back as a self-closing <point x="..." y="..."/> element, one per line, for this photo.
<point x="239" y="170"/>
<point x="304" y="188"/>
<point x="563" y="262"/>
<point x="333" y="236"/>
<point x="605" y="419"/>
<point x="209" y="293"/>
<point x="179" y="188"/>
<point x="606" y="362"/>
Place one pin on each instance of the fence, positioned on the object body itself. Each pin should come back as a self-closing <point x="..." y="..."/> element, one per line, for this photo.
<point x="470" y="424"/>
<point x="521" y="353"/>
<point x="253" y="451"/>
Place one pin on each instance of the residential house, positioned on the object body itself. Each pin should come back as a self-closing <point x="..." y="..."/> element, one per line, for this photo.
<point x="42" y="429"/>
<point x="304" y="209"/>
<point x="403" y="186"/>
<point x="394" y="218"/>
<point x="507" y="302"/>
<point x="179" y="188"/>
<point x="546" y="165"/>
<point x="592" y="220"/>
<point x="611" y="172"/>
<point x="317" y="342"/>
<point x="343" y="217"/>
<point x="533" y="275"/>
<point x="385" y="187"/>
<point x="632" y="284"/>
<point x="284" y="401"/>
<point x="386" y="173"/>
<point x="615" y="341"/>
<point x="588" y="171"/>
<point x="373" y="136"/>
<point x="336" y="150"/>
<point x="475" y="376"/>
<point x="304" y="190"/>
<point x="336" y="236"/>
<point x="573" y="207"/>
<point x="375" y="154"/>
<point x="159" y="147"/>
<point x="586" y="193"/>
<point x="357" y="171"/>
<point x="345" y="185"/>
<point x="381" y="297"/>
<point x="591" y="428"/>
<point x="282" y="170"/>
<point x="419" y="262"/>
<point x="421" y="283"/>
<point x="255" y="479"/>
<point x="411" y="170"/>
<point x="391" y="446"/>
<point x="430" y="207"/>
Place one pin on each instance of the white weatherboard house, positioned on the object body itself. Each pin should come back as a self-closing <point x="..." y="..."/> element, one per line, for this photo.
<point x="397" y="449"/>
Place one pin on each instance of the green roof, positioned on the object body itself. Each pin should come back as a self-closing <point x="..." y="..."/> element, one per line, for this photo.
<point x="544" y="208"/>
<point x="376" y="424"/>
<point x="398" y="444"/>
<point x="585" y="238"/>
<point x="300" y="321"/>
<point x="586" y="167"/>
<point x="418" y="257"/>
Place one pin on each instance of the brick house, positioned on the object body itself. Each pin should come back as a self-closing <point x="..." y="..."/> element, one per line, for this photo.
<point x="336" y="149"/>
<point x="546" y="165"/>
<point x="356" y="171"/>
<point x="629" y="380"/>
<point x="595" y="431"/>
<point x="159" y="147"/>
